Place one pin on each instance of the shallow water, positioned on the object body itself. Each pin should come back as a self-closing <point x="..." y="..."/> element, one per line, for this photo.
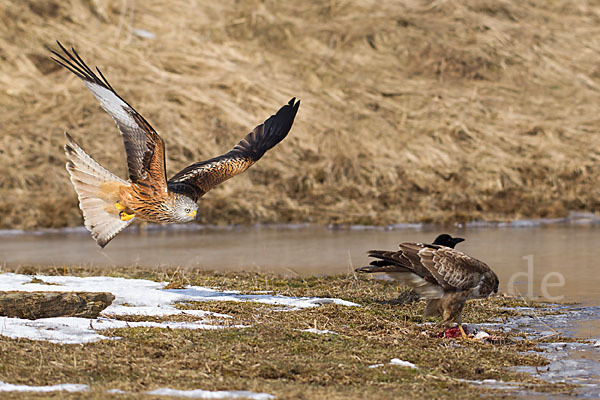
<point x="534" y="259"/>
<point x="576" y="363"/>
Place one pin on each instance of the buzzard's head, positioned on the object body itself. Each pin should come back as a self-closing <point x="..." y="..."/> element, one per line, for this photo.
<point x="184" y="209"/>
<point x="446" y="240"/>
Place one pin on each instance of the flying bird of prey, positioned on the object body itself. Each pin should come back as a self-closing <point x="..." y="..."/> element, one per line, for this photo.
<point x="443" y="276"/>
<point x="109" y="203"/>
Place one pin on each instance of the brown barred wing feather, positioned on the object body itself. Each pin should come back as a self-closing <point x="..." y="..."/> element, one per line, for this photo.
<point x="455" y="269"/>
<point x="424" y="262"/>
<point x="197" y="179"/>
<point x="144" y="148"/>
<point x="449" y="268"/>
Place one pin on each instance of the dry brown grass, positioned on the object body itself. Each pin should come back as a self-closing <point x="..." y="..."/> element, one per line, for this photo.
<point x="271" y="355"/>
<point x="411" y="110"/>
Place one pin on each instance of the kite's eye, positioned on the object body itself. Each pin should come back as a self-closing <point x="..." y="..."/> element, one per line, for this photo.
<point x="187" y="210"/>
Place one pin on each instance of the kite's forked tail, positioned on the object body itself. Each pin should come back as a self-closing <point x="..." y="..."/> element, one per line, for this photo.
<point x="97" y="189"/>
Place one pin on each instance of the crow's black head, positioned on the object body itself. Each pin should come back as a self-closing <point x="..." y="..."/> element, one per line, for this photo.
<point x="447" y="240"/>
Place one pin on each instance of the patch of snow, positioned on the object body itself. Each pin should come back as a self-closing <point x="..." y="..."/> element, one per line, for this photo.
<point x="116" y="391"/>
<point x="318" y="331"/>
<point x="397" y="361"/>
<point x="375" y="365"/>
<point x="198" y="293"/>
<point x="597" y="343"/>
<point x="71" y="330"/>
<point x="494" y="384"/>
<point x="67" y="387"/>
<point x="206" y="394"/>
<point x="159" y="311"/>
<point x="481" y="335"/>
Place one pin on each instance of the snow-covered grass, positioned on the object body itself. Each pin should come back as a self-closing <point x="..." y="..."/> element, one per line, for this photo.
<point x="132" y="297"/>
<point x="190" y="394"/>
<point x="402" y="363"/>
<point x="396" y="361"/>
<point x="205" y="394"/>
<point x="71" y="330"/>
<point x="150" y="296"/>
<point x="318" y="331"/>
<point x="67" y="387"/>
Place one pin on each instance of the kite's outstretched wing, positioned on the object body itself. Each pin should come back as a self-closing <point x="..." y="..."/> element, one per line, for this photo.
<point x="199" y="178"/>
<point x="145" y="149"/>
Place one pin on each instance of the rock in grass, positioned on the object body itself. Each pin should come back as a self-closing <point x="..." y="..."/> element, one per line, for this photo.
<point x="35" y="305"/>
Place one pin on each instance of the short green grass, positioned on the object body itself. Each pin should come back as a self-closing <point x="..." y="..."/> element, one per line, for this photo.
<point x="272" y="355"/>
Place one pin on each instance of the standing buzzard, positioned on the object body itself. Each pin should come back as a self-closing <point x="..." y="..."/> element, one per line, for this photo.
<point x="445" y="277"/>
<point x="110" y="204"/>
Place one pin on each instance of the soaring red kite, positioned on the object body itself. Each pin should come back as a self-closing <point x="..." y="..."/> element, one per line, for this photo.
<point x="110" y="204"/>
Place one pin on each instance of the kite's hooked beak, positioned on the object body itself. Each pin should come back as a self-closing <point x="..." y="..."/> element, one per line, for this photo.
<point x="192" y="214"/>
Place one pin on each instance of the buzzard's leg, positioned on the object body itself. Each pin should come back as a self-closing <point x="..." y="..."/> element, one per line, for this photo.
<point x="119" y="206"/>
<point x="460" y="328"/>
<point x="462" y="332"/>
<point x="125" y="217"/>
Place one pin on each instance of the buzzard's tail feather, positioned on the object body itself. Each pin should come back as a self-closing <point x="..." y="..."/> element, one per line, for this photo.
<point x="90" y="180"/>
<point x="375" y="266"/>
<point x="385" y="263"/>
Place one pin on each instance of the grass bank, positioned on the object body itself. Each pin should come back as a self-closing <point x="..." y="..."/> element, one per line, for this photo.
<point x="272" y="354"/>
<point x="411" y="110"/>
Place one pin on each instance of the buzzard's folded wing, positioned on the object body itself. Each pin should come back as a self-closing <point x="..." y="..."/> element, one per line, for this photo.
<point x="451" y="268"/>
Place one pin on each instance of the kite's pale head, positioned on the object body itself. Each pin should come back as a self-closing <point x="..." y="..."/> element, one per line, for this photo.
<point x="184" y="209"/>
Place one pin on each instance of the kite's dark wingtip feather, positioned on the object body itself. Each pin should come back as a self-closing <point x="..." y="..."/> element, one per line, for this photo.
<point x="76" y="65"/>
<point x="104" y="79"/>
<point x="61" y="46"/>
<point x="295" y="104"/>
<point x="291" y="108"/>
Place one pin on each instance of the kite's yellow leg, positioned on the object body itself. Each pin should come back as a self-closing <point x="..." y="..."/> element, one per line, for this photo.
<point x="119" y="206"/>
<point x="125" y="217"/>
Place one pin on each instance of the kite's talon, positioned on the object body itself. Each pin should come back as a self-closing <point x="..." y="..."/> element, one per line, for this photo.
<point x="125" y="217"/>
<point x="119" y="206"/>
